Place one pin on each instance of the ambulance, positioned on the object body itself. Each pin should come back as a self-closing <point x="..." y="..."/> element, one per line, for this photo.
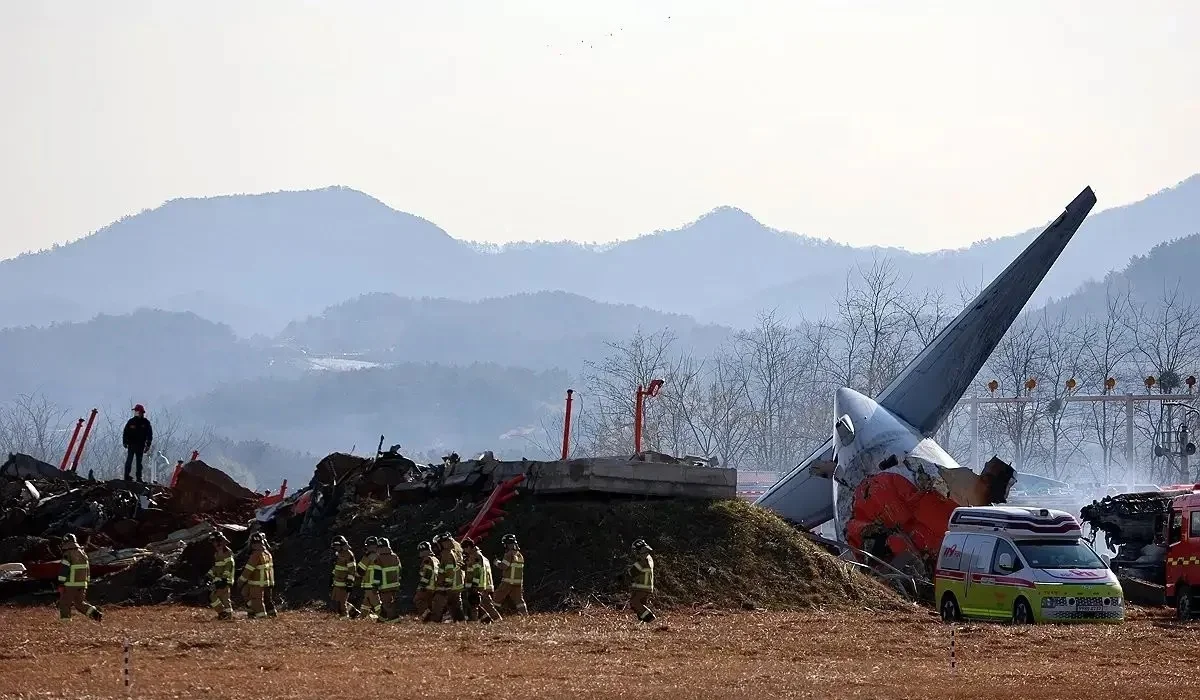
<point x="1027" y="565"/>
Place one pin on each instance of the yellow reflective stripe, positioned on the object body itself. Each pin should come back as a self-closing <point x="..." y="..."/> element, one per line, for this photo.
<point x="390" y="577"/>
<point x="515" y="573"/>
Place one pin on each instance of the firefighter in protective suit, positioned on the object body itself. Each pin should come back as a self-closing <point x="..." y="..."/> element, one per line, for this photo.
<point x="257" y="576"/>
<point x="389" y="580"/>
<point x="479" y="585"/>
<point x="448" y="594"/>
<point x="427" y="580"/>
<point x="643" y="581"/>
<point x="368" y="571"/>
<point x="344" y="568"/>
<point x="512" y="575"/>
<point x="269" y="591"/>
<point x="221" y="577"/>
<point x="74" y="574"/>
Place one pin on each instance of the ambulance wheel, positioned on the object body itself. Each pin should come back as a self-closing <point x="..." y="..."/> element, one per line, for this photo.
<point x="1184" y="605"/>
<point x="1022" y="613"/>
<point x="950" y="611"/>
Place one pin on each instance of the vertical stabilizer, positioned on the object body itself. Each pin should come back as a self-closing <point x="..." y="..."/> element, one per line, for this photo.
<point x="929" y="387"/>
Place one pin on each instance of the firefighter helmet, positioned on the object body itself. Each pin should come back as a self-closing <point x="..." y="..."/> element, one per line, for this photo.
<point x="384" y="543"/>
<point x="640" y="545"/>
<point x="339" y="542"/>
<point x="69" y="539"/>
<point x="424" y="547"/>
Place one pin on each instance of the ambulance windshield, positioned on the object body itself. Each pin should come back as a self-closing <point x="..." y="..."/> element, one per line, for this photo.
<point x="1059" y="554"/>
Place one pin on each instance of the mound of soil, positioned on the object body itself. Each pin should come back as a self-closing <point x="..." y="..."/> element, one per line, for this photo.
<point x="725" y="553"/>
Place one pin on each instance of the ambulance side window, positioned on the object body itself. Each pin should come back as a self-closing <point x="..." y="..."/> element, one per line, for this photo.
<point x="952" y="552"/>
<point x="1003" y="547"/>
<point x="1194" y="524"/>
<point x="979" y="549"/>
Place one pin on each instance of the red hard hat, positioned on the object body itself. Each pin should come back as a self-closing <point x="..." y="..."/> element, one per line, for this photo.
<point x="139" y="408"/>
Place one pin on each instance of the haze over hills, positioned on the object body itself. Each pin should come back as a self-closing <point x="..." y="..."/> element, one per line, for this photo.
<point x="148" y="356"/>
<point x="1167" y="268"/>
<point x="257" y="262"/>
<point x="535" y="330"/>
<point x="422" y="406"/>
<point x="175" y="359"/>
<point x="464" y="346"/>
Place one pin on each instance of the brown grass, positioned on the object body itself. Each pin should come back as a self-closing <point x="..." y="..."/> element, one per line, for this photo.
<point x="182" y="652"/>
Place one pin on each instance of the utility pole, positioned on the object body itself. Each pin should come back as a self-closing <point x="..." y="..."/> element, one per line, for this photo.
<point x="1177" y="442"/>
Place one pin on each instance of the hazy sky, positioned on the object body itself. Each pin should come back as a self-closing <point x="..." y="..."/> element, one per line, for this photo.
<point x="924" y="124"/>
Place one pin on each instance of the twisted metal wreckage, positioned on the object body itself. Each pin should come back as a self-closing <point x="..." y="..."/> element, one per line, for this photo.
<point x="882" y="480"/>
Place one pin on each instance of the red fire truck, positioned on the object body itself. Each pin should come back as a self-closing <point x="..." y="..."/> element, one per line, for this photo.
<point x="1156" y="536"/>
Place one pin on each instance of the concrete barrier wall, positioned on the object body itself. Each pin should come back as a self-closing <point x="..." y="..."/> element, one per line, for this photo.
<point x="618" y="476"/>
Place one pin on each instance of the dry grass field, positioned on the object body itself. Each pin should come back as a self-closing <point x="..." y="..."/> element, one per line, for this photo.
<point x="180" y="652"/>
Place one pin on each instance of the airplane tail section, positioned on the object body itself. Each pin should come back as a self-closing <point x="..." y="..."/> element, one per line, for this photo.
<point x="926" y="391"/>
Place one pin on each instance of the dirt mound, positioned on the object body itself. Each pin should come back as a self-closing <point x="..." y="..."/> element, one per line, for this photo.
<point x="720" y="553"/>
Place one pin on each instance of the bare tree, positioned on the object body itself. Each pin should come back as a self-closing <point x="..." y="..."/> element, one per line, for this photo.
<point x="722" y="420"/>
<point x="1016" y="359"/>
<point x="610" y="385"/>
<point x="780" y="377"/>
<point x="33" y="425"/>
<point x="1062" y="360"/>
<point x="875" y="328"/>
<point x="1166" y="341"/>
<point x="1107" y="345"/>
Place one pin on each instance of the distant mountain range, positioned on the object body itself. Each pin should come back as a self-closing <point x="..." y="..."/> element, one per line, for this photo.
<point x="225" y="310"/>
<point x="536" y="330"/>
<point x="435" y="371"/>
<point x="258" y="262"/>
<point x="422" y="406"/>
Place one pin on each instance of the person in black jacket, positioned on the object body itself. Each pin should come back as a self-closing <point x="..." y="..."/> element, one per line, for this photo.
<point x="137" y="438"/>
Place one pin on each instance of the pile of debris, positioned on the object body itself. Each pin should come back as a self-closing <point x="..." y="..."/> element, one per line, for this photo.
<point x="134" y="533"/>
<point x="575" y="519"/>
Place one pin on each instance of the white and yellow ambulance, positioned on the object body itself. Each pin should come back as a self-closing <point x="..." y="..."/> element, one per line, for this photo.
<point x="1026" y="565"/>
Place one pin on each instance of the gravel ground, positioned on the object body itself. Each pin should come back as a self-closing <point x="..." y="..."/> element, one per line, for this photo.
<point x="182" y="652"/>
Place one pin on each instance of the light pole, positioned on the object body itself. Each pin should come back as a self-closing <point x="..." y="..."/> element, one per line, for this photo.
<point x="638" y="413"/>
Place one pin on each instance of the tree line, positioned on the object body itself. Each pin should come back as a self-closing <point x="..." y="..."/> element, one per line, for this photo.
<point x="764" y="400"/>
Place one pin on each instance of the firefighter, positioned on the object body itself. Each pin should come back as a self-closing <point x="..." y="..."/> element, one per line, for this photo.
<point x="459" y="582"/>
<point x="389" y="580"/>
<point x="344" y="569"/>
<point x="448" y="594"/>
<point x="73" y="576"/>
<point x="257" y="576"/>
<point x="367" y="572"/>
<point x="479" y="585"/>
<point x="427" y="583"/>
<point x="643" y="581"/>
<point x="269" y="590"/>
<point x="512" y="570"/>
<point x="221" y="577"/>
